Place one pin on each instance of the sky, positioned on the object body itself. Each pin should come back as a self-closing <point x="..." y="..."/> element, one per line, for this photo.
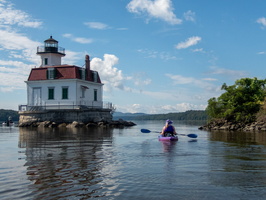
<point x="153" y="56"/>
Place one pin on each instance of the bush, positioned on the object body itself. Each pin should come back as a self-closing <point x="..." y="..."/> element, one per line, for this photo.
<point x="240" y="102"/>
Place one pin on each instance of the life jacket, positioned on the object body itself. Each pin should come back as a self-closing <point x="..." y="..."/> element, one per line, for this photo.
<point x="169" y="130"/>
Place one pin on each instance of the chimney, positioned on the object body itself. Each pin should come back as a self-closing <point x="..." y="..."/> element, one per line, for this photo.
<point x="88" y="68"/>
<point x="87" y="63"/>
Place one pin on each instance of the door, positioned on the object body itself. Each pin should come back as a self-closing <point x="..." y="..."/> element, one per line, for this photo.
<point x="36" y="97"/>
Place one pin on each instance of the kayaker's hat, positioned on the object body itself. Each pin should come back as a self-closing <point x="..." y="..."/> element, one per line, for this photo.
<point x="169" y="121"/>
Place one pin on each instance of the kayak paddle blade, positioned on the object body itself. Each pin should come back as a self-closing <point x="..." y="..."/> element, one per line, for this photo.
<point x="192" y="135"/>
<point x="145" y="130"/>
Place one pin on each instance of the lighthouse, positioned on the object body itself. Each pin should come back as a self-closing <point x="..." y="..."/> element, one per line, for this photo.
<point x="67" y="91"/>
<point x="50" y="53"/>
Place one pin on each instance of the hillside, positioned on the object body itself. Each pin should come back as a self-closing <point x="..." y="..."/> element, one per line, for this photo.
<point x="188" y="115"/>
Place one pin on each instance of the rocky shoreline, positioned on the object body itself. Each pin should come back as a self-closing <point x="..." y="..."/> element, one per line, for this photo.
<point x="231" y="126"/>
<point x="113" y="124"/>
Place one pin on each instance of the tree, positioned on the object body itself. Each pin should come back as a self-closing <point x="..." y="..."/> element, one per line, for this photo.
<point x="240" y="102"/>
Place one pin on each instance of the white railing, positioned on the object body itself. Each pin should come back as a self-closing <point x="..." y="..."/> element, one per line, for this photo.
<point x="68" y="106"/>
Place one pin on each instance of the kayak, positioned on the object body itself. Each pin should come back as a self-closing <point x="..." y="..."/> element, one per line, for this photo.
<point x="171" y="138"/>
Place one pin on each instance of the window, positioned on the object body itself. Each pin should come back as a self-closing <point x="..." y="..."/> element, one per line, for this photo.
<point x="82" y="73"/>
<point x="50" y="93"/>
<point x="51" y="73"/>
<point x="65" y="93"/>
<point x="45" y="61"/>
<point x="95" y="95"/>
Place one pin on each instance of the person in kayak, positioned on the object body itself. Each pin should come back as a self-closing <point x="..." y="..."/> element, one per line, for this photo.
<point x="168" y="130"/>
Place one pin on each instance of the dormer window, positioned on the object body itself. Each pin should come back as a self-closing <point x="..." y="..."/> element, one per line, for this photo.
<point x="95" y="77"/>
<point x="51" y="73"/>
<point x="82" y="73"/>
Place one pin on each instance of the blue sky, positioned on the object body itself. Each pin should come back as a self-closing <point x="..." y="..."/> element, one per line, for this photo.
<point x="154" y="56"/>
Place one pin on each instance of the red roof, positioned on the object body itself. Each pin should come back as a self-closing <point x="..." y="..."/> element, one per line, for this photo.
<point x="61" y="72"/>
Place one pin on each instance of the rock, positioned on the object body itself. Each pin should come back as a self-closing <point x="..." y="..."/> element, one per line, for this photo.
<point x="44" y="124"/>
<point x="53" y="125"/>
<point x="121" y="123"/>
<point x="63" y="125"/>
<point x="231" y="126"/>
<point x="91" y="124"/>
<point x="75" y="124"/>
<point x="115" y="124"/>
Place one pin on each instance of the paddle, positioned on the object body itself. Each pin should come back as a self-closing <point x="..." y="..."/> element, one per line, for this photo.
<point x="191" y="135"/>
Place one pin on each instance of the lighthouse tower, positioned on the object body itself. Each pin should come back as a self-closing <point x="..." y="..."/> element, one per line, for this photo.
<point x="50" y="53"/>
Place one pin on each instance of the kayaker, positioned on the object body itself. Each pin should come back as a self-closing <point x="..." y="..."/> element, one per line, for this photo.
<point x="168" y="129"/>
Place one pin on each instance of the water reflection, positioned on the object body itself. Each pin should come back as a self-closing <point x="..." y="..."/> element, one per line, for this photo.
<point x="239" y="137"/>
<point x="168" y="146"/>
<point x="125" y="164"/>
<point x="239" y="161"/>
<point x="64" y="163"/>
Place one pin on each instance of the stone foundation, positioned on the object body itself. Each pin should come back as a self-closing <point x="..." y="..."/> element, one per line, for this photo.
<point x="50" y="124"/>
<point x="65" y="116"/>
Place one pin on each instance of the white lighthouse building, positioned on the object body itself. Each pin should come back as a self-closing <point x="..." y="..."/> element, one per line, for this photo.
<point x="54" y="89"/>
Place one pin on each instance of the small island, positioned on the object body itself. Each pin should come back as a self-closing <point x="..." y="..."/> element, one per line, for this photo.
<point x="242" y="107"/>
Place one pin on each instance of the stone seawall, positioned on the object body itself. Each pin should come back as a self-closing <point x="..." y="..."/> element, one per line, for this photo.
<point x="65" y="116"/>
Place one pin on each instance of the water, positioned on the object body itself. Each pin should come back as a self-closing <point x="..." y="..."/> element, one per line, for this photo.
<point x="123" y="164"/>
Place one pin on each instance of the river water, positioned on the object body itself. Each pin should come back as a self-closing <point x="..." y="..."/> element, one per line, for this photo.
<point x="101" y="163"/>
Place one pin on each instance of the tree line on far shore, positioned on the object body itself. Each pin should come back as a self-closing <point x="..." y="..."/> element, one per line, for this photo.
<point x="188" y="115"/>
<point x="4" y="114"/>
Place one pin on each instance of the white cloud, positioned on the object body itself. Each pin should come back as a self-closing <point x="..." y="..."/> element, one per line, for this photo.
<point x="10" y="16"/>
<point x="110" y="75"/>
<point x="72" y="57"/>
<point x="16" y="41"/>
<point x="122" y="29"/>
<point x="182" y="107"/>
<point x="262" y="21"/>
<point x="23" y="68"/>
<point x="155" y="54"/>
<point x="190" y="16"/>
<point x="81" y="40"/>
<point x="16" y="46"/>
<point x="97" y="25"/>
<point x="178" y="79"/>
<point x="209" y="79"/>
<point x="13" y="74"/>
<point x="11" y="80"/>
<point x="200" y="83"/>
<point x="188" y="43"/>
<point x="159" y="109"/>
<point x="19" y="46"/>
<point x="227" y="72"/>
<point x="198" y="50"/>
<point x="140" y="79"/>
<point x="160" y="9"/>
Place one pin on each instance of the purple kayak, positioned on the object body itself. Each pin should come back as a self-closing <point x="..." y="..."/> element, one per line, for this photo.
<point x="171" y="138"/>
